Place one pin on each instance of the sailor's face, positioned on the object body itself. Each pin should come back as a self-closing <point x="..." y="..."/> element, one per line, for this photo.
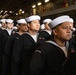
<point x="71" y="24"/>
<point x="35" y="25"/>
<point x="10" y="25"/>
<point x="63" y="31"/>
<point x="23" y="27"/>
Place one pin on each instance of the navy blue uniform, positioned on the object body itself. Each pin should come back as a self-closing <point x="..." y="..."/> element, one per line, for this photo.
<point x="4" y="37"/>
<point x="43" y="36"/>
<point x="48" y="59"/>
<point x="6" y="62"/>
<point x="72" y="56"/>
<point x="22" y="53"/>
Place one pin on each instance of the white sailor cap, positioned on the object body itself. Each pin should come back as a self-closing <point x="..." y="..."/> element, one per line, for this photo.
<point x="15" y="27"/>
<point x="0" y="24"/>
<point x="9" y="20"/>
<point x="3" y="20"/>
<point x="33" y="17"/>
<point x="59" y="20"/>
<point x="42" y="26"/>
<point x="71" y="20"/>
<point x="20" y="21"/>
<point x="47" y="21"/>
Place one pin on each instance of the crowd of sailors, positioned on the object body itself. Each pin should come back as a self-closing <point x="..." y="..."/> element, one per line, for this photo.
<point x="32" y="48"/>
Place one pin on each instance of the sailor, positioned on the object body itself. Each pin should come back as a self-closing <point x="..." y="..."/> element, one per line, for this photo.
<point x="71" y="22"/>
<point x="5" y="34"/>
<point x="42" y="27"/>
<point x="45" y="34"/>
<point x="3" y="24"/>
<point x="72" y="26"/>
<point x="25" y="46"/>
<point x="72" y="51"/>
<point x="50" y="57"/>
<point x="6" y="63"/>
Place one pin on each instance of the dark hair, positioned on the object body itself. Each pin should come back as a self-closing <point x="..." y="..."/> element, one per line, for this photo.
<point x="19" y="23"/>
<point x="29" y="22"/>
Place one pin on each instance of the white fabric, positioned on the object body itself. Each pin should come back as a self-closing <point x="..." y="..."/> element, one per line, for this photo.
<point x="9" y="31"/>
<point x="34" y="37"/>
<point x="33" y="17"/>
<point x="15" y="27"/>
<point x="59" y="20"/>
<point x="71" y="20"/>
<point x="21" y="21"/>
<point x="47" y="21"/>
<point x="49" y="32"/>
<point x="0" y="25"/>
<point x="9" y="20"/>
<point x="3" y="20"/>
<point x="42" y="26"/>
<point x="73" y="29"/>
<point x="64" y="49"/>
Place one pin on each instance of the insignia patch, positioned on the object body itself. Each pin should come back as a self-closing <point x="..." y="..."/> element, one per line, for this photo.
<point x="41" y="38"/>
<point x="17" y="38"/>
<point x="72" y="51"/>
<point x="38" y="51"/>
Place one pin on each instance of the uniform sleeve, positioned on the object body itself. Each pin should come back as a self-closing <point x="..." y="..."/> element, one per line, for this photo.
<point x="9" y="46"/>
<point x="16" y="62"/>
<point x="0" y="49"/>
<point x="72" y="55"/>
<point x="0" y="40"/>
<point x="38" y="62"/>
<point x="6" y="58"/>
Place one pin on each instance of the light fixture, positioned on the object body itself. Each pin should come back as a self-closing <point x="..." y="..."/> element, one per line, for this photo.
<point x="10" y="11"/>
<point x="39" y="3"/>
<point x="33" y="6"/>
<point x="16" y="13"/>
<point x="46" y="1"/>
<point x="20" y="10"/>
<point x="1" y="10"/>
<point x="23" y="12"/>
<point x="5" y="12"/>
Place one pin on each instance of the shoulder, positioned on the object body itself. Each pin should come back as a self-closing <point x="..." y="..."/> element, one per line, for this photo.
<point x="43" y="32"/>
<point x="46" y="46"/>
